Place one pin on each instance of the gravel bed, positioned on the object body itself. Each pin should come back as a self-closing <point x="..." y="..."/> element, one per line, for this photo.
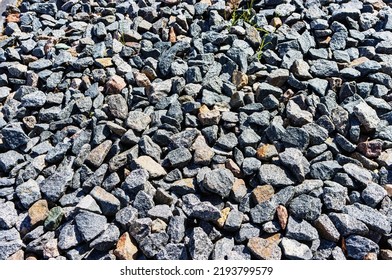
<point x="196" y="130"/>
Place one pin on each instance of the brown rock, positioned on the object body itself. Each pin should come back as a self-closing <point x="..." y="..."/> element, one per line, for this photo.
<point x="172" y="35"/>
<point x="358" y="61"/>
<point x="29" y="122"/>
<point x="262" y="193"/>
<point x="388" y="188"/>
<point x="377" y="4"/>
<point x="224" y="213"/>
<point x="276" y="22"/>
<point x="104" y="62"/>
<point x="98" y="154"/>
<point x="370" y="257"/>
<point x="158" y="226"/>
<point x="233" y="167"/>
<point x="265" y="249"/>
<point x="153" y="168"/>
<point x="115" y="84"/>
<point x="324" y="42"/>
<point x="13" y="18"/>
<point x="142" y="80"/>
<point x="386" y="254"/>
<point x="17" y="256"/>
<point x="371" y="149"/>
<point x="171" y="2"/>
<point x="385" y="159"/>
<point x="239" y="79"/>
<point x="283" y="216"/>
<point x="265" y="152"/>
<point x="208" y="117"/>
<point x="335" y="83"/>
<point x="38" y="212"/>
<point x="239" y="189"/>
<point x="202" y="152"/>
<point x="118" y="106"/>
<point x="301" y="69"/>
<point x="126" y="248"/>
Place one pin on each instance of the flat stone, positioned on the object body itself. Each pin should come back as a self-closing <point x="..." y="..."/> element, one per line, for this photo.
<point x="300" y="230"/>
<point x="360" y="174"/>
<point x="108" y="203"/>
<point x="324" y="68"/>
<point x="138" y="121"/>
<point x="263" y="212"/>
<point x="161" y="211"/>
<point x="324" y="170"/>
<point x="107" y="239"/>
<point x="153" y="168"/>
<point x="274" y="175"/>
<point x="90" y="225"/>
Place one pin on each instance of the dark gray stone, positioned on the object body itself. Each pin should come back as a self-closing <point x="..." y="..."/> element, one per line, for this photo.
<point x="373" y="194"/>
<point x="179" y="157"/>
<point x="334" y="196"/>
<point x="107" y="240"/>
<point x="28" y="193"/>
<point x="325" y="170"/>
<point x="263" y="212"/>
<point x="358" y="247"/>
<point x="294" y="160"/>
<point x="275" y="175"/>
<point x="200" y="246"/>
<point x="305" y="207"/>
<point x="14" y="136"/>
<point x="153" y="243"/>
<point x="300" y="230"/>
<point x="176" y="229"/>
<point x="219" y="181"/>
<point x="347" y="225"/>
<point x="324" y="68"/>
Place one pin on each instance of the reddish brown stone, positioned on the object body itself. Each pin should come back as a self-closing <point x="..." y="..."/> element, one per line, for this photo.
<point x="12" y="18"/>
<point x="283" y="216"/>
<point x="370" y="149"/>
<point x="172" y="35"/>
<point x="126" y="248"/>
<point x="262" y="193"/>
<point x="115" y="84"/>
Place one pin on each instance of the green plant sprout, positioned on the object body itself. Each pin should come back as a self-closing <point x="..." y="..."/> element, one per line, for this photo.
<point x="246" y="16"/>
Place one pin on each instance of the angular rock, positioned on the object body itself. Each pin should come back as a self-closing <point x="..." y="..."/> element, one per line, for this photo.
<point x="200" y="246"/>
<point x="295" y="250"/>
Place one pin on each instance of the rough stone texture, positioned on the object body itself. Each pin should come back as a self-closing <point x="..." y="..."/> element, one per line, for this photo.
<point x="265" y="249"/>
<point x="219" y="181"/>
<point x="295" y="250"/>
<point x="200" y="246"/>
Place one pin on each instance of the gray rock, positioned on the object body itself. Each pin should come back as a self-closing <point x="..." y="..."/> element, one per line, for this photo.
<point x="143" y="202"/>
<point x="250" y="166"/>
<point x="107" y="240"/>
<point x="149" y="148"/>
<point x="55" y="185"/>
<point x="296" y="162"/>
<point x="179" y="157"/>
<point x="227" y="141"/>
<point x="108" y="203"/>
<point x="138" y="121"/>
<point x="300" y="230"/>
<point x="295" y="250"/>
<point x="358" y="247"/>
<point x="339" y="37"/>
<point x="275" y="175"/>
<point x="367" y="116"/>
<point x="154" y="243"/>
<point x="167" y="57"/>
<point x="246" y="232"/>
<point x="176" y="229"/>
<point x="90" y="225"/>
<point x="10" y="243"/>
<point x="14" y="136"/>
<point x="126" y="216"/>
<point x="219" y="181"/>
<point x="161" y="211"/>
<point x="222" y="248"/>
<point x="57" y="153"/>
<point x="295" y="137"/>
<point x="371" y="217"/>
<point x="334" y="196"/>
<point x="360" y="174"/>
<point x="263" y="212"/>
<point x="324" y="68"/>
<point x="373" y="194"/>
<point x="9" y="159"/>
<point x="305" y="207"/>
<point x="233" y="220"/>
<point x="68" y="237"/>
<point x="296" y="115"/>
<point x="28" y="193"/>
<point x="248" y="138"/>
<point x="8" y="215"/>
<point x="173" y="251"/>
<point x="325" y="170"/>
<point x="347" y="225"/>
<point x="117" y="106"/>
<point x="135" y="181"/>
<point x="202" y="210"/>
<point x="200" y="246"/>
<point x="34" y="100"/>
